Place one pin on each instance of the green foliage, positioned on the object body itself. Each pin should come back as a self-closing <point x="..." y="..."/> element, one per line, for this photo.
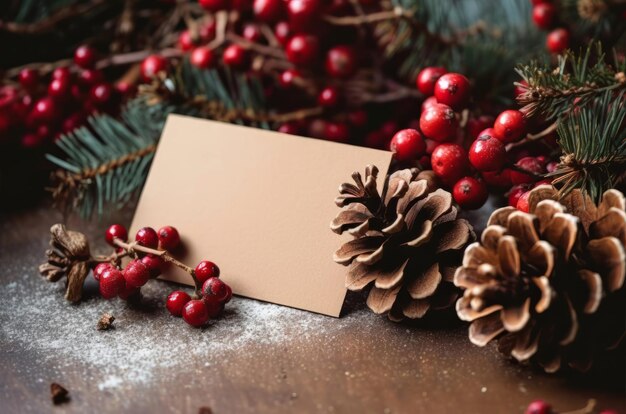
<point x="472" y="37"/>
<point x="577" y="81"/>
<point x="106" y="163"/>
<point x="593" y="141"/>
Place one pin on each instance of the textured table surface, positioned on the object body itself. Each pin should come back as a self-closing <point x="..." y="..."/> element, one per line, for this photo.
<point x="257" y="358"/>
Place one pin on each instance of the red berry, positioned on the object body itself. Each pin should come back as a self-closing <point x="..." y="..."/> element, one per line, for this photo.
<point x="428" y="102"/>
<point x="235" y="56"/>
<point x="28" y="78"/>
<point x="252" y="33"/>
<point x="229" y="294"/>
<point x="185" y="41"/>
<point x="126" y="88"/>
<point x="62" y="72"/>
<point x="103" y="95"/>
<point x="176" y="301"/>
<point x="498" y="179"/>
<point x="328" y="97"/>
<point x="302" y="49"/>
<point x="438" y="122"/>
<point x="268" y="10"/>
<point x="32" y="141"/>
<point x="214" y="306"/>
<point x="529" y="164"/>
<point x="407" y="145"/>
<point x="282" y="31"/>
<point x="111" y="283"/>
<point x="169" y="239"/>
<point x="202" y="57"/>
<point x="453" y="89"/>
<point x="557" y="41"/>
<point x="89" y="77"/>
<point x="291" y="128"/>
<point x="487" y="153"/>
<point x="538" y="407"/>
<point x="336" y="131"/>
<point x="207" y="31"/>
<point x="317" y="128"/>
<point x="99" y="269"/>
<point x="85" y="56"/>
<point x="479" y="126"/>
<point x="127" y="292"/>
<point x="521" y="88"/>
<point x="449" y="161"/>
<point x="375" y="139"/>
<point x="469" y="193"/>
<point x="510" y="126"/>
<point x="543" y="15"/>
<point x="303" y="14"/>
<point x="341" y="62"/>
<point x="206" y="270"/>
<point x="212" y="5"/>
<point x="45" y="110"/>
<point x="154" y="264"/>
<point x="427" y="78"/>
<point x="60" y="89"/>
<point x="552" y="166"/>
<point x="214" y="286"/>
<point x="152" y="65"/>
<point x="136" y="274"/>
<point x="147" y="236"/>
<point x="116" y="231"/>
<point x="288" y="77"/>
<point x="195" y="313"/>
<point x="515" y="193"/>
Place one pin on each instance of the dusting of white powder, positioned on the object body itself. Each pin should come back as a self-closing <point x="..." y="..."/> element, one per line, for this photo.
<point x="132" y="353"/>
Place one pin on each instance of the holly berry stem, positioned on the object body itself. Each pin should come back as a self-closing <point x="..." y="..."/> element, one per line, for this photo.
<point x="133" y="248"/>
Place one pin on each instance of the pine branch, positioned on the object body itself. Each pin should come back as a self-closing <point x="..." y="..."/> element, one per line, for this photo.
<point x="575" y="82"/>
<point x="106" y="163"/>
<point x="593" y="141"/>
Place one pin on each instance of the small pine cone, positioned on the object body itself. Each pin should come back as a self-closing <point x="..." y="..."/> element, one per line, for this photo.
<point x="407" y="242"/>
<point x="69" y="256"/>
<point x="548" y="286"/>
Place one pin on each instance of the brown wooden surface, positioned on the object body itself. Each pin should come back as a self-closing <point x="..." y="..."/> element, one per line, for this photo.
<point x="357" y="363"/>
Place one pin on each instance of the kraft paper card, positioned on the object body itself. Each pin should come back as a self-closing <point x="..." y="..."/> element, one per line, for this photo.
<point x="258" y="204"/>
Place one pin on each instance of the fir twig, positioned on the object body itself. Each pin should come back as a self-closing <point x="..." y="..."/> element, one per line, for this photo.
<point x="575" y="82"/>
<point x="593" y="141"/>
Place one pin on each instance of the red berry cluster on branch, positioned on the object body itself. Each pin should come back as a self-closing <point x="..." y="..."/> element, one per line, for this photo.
<point x="468" y="154"/>
<point x="151" y="252"/>
<point x="545" y="16"/>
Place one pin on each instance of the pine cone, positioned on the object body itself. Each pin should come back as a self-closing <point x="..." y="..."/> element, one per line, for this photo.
<point x="549" y="286"/>
<point x="69" y="256"/>
<point x="407" y="242"/>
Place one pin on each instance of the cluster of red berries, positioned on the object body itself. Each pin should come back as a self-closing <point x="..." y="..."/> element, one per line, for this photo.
<point x="545" y="17"/>
<point x="296" y="28"/>
<point x="127" y="282"/>
<point x="44" y="107"/>
<point x="214" y="295"/>
<point x="439" y="143"/>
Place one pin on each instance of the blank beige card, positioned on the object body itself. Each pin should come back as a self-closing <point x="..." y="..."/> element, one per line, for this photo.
<point x="258" y="204"/>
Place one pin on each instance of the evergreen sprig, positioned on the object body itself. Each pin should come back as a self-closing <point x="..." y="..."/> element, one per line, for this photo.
<point x="593" y="141"/>
<point x="106" y="162"/>
<point x="471" y="37"/>
<point x="577" y="80"/>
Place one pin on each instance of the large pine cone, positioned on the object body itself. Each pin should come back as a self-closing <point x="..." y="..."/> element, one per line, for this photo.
<point x="549" y="286"/>
<point x="407" y="242"/>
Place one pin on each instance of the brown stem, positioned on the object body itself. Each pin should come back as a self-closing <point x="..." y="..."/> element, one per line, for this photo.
<point x="133" y="248"/>
<point x="396" y="13"/>
<point x="261" y="49"/>
<point x="517" y="168"/>
<point x="533" y="137"/>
